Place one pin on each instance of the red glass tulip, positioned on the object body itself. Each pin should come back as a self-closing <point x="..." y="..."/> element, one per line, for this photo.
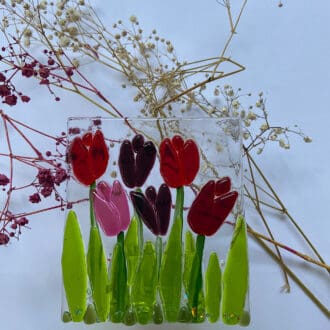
<point x="179" y="161"/>
<point x="136" y="160"/>
<point x="211" y="207"/>
<point x="89" y="157"/>
<point x="154" y="208"/>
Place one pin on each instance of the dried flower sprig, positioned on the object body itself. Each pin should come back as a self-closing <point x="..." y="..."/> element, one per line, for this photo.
<point x="47" y="182"/>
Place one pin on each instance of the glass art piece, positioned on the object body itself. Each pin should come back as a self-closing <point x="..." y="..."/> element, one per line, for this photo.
<point x="156" y="232"/>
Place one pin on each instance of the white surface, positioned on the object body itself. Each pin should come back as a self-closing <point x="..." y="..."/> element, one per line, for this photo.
<point x="287" y="55"/>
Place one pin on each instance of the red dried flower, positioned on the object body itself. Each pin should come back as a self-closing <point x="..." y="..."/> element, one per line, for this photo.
<point x="35" y="198"/>
<point x="10" y="100"/>
<point x="4" y="90"/>
<point x="4" y="180"/>
<point x="25" y="98"/>
<point x="4" y="239"/>
<point x="27" y="70"/>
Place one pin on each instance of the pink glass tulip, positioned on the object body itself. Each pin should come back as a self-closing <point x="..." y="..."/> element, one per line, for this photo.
<point x="111" y="207"/>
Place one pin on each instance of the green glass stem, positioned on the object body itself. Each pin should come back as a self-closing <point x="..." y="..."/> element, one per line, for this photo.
<point x="91" y="205"/>
<point x="170" y="277"/>
<point x="132" y="250"/>
<point x="159" y="252"/>
<point x="196" y="277"/>
<point x="189" y="253"/>
<point x="97" y="267"/>
<point x="140" y="227"/>
<point x="118" y="282"/>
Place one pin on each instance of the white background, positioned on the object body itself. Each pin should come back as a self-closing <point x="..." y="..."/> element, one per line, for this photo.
<point x="287" y="55"/>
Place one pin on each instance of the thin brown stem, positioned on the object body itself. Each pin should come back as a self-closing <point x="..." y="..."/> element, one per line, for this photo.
<point x="258" y="208"/>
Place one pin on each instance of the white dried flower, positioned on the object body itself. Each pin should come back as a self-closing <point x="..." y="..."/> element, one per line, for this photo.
<point x="27" y="42"/>
<point x="264" y="127"/>
<point x="75" y="63"/>
<point x="246" y="135"/>
<point x="273" y="137"/>
<point x="225" y="111"/>
<point x="42" y="5"/>
<point x="73" y="15"/>
<point x="251" y="116"/>
<point x="278" y="130"/>
<point x="307" y="139"/>
<point x="64" y="41"/>
<point x="73" y="31"/>
<point x="282" y="143"/>
<point x="27" y="33"/>
<point x="133" y="19"/>
<point x="235" y="104"/>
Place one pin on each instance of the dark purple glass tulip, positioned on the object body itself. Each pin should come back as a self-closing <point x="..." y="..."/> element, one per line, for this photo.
<point x="154" y="208"/>
<point x="136" y="160"/>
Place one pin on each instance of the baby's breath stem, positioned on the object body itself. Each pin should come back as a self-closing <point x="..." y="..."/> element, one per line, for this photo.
<point x="284" y="210"/>
<point x="257" y="207"/>
<point x="294" y="277"/>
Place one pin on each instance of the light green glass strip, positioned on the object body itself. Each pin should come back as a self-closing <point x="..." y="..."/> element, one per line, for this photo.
<point x="235" y="276"/>
<point x="74" y="268"/>
<point x="213" y="288"/>
<point x="118" y="282"/>
<point x="98" y="274"/>
<point x="132" y="250"/>
<point x="170" y="279"/>
<point x="145" y="285"/>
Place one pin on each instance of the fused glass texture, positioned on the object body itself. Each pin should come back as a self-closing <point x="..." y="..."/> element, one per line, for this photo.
<point x="156" y="232"/>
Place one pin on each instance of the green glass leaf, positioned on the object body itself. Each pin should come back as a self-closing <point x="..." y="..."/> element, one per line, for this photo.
<point x="98" y="274"/>
<point x="145" y="285"/>
<point x="74" y="268"/>
<point x="118" y="282"/>
<point x="189" y="253"/>
<point x="213" y="288"/>
<point x="132" y="250"/>
<point x="170" y="287"/>
<point x="170" y="278"/>
<point x="235" y="276"/>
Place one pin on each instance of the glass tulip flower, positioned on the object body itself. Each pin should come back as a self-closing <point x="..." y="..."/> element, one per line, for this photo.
<point x="88" y="156"/>
<point x="111" y="207"/>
